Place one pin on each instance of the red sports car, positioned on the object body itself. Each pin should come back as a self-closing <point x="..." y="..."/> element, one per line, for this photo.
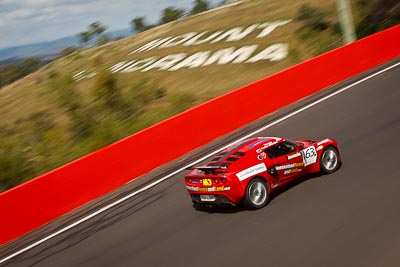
<point x="250" y="170"/>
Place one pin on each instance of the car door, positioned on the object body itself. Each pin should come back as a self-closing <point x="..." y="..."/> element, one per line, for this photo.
<point x="287" y="160"/>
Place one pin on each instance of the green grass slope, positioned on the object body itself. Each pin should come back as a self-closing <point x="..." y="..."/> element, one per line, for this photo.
<point x="76" y="105"/>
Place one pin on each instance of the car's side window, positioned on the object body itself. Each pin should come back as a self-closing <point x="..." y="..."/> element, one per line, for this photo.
<point x="280" y="150"/>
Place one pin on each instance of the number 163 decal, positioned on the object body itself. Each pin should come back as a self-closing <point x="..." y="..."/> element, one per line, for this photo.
<point x="207" y="182"/>
<point x="309" y="155"/>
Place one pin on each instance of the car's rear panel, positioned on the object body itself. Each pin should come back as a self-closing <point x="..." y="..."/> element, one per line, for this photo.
<point x="218" y="177"/>
<point x="220" y="185"/>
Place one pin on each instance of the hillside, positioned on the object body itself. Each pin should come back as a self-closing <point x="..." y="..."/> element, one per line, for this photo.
<point x="94" y="97"/>
<point x="47" y="49"/>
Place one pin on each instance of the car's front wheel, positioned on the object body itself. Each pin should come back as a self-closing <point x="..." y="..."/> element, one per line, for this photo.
<point x="329" y="160"/>
<point x="256" y="194"/>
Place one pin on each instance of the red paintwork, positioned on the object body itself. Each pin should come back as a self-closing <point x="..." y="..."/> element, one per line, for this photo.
<point x="250" y="153"/>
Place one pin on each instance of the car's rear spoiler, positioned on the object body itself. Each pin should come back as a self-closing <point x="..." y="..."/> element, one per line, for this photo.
<point x="208" y="169"/>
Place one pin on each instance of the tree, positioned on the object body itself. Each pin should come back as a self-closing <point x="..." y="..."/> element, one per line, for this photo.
<point x="96" y="29"/>
<point x="14" y="71"/>
<point x="84" y="38"/>
<point x="107" y="91"/>
<point x="138" y="24"/>
<point x="170" y="14"/>
<point x="182" y="101"/>
<point x="29" y="65"/>
<point x="67" y="95"/>
<point x="199" y="6"/>
<point x="9" y="73"/>
<point x="377" y="15"/>
<point x="313" y="17"/>
<point x="13" y="171"/>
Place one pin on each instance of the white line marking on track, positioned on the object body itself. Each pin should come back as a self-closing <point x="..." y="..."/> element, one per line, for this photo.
<point x="145" y="188"/>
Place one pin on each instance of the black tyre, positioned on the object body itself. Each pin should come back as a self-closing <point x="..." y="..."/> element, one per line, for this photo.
<point x="256" y="194"/>
<point x="329" y="160"/>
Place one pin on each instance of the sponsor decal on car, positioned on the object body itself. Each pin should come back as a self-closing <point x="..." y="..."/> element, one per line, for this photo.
<point x="208" y="189"/>
<point x="249" y="172"/>
<point x="320" y="148"/>
<point x="298" y="154"/>
<point x="290" y="171"/>
<point x="267" y="145"/>
<point x="289" y="166"/>
<point x="262" y="156"/>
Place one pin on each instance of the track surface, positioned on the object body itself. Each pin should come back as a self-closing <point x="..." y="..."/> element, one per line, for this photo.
<point x="349" y="218"/>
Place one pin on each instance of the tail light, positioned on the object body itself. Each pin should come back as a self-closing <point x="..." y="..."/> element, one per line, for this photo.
<point x="218" y="181"/>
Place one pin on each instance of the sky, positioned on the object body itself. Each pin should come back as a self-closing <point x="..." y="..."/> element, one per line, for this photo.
<point x="33" y="21"/>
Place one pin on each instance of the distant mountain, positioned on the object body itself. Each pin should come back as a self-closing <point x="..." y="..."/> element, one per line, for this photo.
<point x="50" y="48"/>
<point x="39" y="49"/>
<point x="8" y="61"/>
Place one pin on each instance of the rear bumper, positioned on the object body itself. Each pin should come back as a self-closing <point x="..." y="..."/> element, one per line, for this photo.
<point x="219" y="200"/>
<point x="230" y="193"/>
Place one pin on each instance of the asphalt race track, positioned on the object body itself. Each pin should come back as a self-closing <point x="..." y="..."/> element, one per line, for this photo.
<point x="349" y="218"/>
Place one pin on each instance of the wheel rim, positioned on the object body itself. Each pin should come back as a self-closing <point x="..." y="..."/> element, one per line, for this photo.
<point x="329" y="159"/>
<point x="257" y="193"/>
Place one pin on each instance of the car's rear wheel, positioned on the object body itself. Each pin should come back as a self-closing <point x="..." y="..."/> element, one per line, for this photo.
<point x="256" y="194"/>
<point x="329" y="160"/>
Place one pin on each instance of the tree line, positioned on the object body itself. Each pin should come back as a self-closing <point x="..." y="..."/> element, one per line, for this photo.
<point x="170" y="14"/>
<point x="18" y="69"/>
<point x="96" y="30"/>
<point x="376" y="16"/>
<point x="325" y="35"/>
